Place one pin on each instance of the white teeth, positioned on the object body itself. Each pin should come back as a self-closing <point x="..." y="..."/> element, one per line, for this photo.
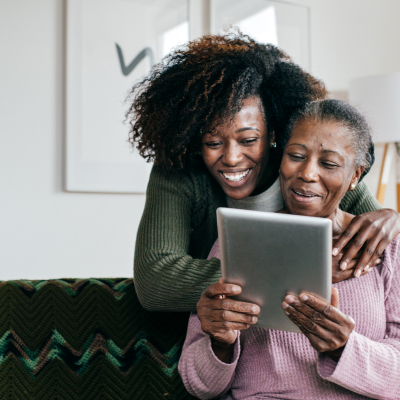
<point x="236" y="177"/>
<point x="304" y="195"/>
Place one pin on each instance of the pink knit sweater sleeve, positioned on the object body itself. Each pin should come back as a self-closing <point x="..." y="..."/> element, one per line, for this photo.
<point x="372" y="368"/>
<point x="203" y="374"/>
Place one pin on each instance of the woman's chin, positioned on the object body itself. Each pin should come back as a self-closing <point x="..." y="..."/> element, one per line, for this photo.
<point x="237" y="190"/>
<point x="237" y="193"/>
<point x="307" y="208"/>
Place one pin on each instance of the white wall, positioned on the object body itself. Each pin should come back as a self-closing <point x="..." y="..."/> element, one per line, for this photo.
<point x="47" y="233"/>
<point x="351" y="39"/>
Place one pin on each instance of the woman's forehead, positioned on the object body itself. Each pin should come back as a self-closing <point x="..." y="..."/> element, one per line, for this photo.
<point x="251" y="111"/>
<point x="325" y="134"/>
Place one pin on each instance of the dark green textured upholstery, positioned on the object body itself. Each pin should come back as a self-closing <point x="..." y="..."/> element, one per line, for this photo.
<point x="86" y="339"/>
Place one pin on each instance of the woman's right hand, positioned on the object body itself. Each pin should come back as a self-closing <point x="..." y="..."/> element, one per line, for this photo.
<point x="338" y="274"/>
<point x="221" y="317"/>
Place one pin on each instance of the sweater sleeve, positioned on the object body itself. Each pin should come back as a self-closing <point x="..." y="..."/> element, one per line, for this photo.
<point x="167" y="278"/>
<point x="359" y="201"/>
<point x="203" y="374"/>
<point x="372" y="368"/>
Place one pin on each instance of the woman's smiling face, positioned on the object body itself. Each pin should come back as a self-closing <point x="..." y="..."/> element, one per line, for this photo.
<point x="236" y="152"/>
<point x="317" y="168"/>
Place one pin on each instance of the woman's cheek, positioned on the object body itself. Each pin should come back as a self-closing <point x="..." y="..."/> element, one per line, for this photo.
<point x="287" y="168"/>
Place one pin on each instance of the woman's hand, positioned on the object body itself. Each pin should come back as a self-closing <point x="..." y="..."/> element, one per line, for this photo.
<point x="373" y="231"/>
<point x="338" y="274"/>
<point x="221" y="317"/>
<point x="325" y="326"/>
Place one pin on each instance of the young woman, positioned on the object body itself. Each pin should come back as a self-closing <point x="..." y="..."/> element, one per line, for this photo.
<point x="351" y="353"/>
<point x="183" y="117"/>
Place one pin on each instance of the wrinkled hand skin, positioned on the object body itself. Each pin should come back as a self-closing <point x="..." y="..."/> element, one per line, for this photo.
<point x="327" y="328"/>
<point x="369" y="233"/>
<point x="339" y="275"/>
<point x="222" y="317"/>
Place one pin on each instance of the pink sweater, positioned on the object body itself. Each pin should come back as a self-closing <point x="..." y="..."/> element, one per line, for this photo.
<point x="272" y="364"/>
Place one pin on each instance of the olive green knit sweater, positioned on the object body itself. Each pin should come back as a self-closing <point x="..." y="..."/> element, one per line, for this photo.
<point x="178" y="229"/>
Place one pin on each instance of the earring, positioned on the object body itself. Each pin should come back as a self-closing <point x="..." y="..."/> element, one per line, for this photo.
<point x="273" y="144"/>
<point x="352" y="187"/>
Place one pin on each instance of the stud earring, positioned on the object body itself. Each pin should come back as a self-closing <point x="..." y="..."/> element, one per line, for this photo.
<point x="352" y="187"/>
<point x="273" y="144"/>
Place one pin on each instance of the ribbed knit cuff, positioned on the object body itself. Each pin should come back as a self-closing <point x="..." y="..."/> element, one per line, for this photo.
<point x="203" y="374"/>
<point x="330" y="369"/>
<point x="348" y="372"/>
<point x="214" y="361"/>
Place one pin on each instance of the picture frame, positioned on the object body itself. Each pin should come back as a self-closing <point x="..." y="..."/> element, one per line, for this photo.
<point x="109" y="47"/>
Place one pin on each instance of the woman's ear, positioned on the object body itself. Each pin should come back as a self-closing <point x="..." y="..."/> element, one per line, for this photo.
<point x="356" y="178"/>
<point x="272" y="142"/>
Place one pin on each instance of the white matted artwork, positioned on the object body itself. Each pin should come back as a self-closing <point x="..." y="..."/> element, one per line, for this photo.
<point x="110" y="45"/>
<point x="281" y="23"/>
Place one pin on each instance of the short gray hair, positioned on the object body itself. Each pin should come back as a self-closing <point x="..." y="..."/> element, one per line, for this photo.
<point x="349" y="117"/>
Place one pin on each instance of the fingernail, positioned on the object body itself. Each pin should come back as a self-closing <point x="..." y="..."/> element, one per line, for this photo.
<point x="285" y="305"/>
<point x="254" y="319"/>
<point x="366" y="268"/>
<point x="287" y="313"/>
<point x="303" y="297"/>
<point x="254" y="309"/>
<point x="335" y="251"/>
<point x="343" y="266"/>
<point x="289" y="299"/>
<point x="358" y="273"/>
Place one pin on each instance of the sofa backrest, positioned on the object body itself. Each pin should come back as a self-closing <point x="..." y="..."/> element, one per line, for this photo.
<point x="86" y="339"/>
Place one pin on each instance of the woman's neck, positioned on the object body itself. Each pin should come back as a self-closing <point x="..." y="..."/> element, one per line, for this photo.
<point x="270" y="176"/>
<point x="340" y="220"/>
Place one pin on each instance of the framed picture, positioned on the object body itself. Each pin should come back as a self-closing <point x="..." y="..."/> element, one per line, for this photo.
<point x="111" y="44"/>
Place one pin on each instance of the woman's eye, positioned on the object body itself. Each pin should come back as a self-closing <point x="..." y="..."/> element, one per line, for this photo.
<point x="248" y="141"/>
<point x="213" y="144"/>
<point x="329" y="165"/>
<point x="296" y="157"/>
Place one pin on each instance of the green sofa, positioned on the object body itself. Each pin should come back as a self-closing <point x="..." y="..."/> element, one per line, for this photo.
<point x="86" y="339"/>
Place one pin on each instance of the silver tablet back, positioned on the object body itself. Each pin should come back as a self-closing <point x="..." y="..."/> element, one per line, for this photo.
<point x="270" y="255"/>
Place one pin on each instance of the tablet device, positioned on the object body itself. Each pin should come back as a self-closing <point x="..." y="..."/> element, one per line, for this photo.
<point x="270" y="255"/>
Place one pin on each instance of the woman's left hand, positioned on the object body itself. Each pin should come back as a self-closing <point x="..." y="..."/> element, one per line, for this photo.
<point x="325" y="326"/>
<point x="373" y="230"/>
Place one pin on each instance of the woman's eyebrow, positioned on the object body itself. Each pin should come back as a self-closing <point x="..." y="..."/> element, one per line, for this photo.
<point x="247" y="128"/>
<point x="323" y="151"/>
<point x="297" y="144"/>
<point x="331" y="151"/>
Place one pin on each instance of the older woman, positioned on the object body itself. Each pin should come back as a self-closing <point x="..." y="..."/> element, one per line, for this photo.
<point x="353" y="353"/>
<point x="212" y="116"/>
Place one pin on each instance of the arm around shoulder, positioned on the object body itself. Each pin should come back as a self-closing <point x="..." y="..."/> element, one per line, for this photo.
<point x="360" y="201"/>
<point x="166" y="277"/>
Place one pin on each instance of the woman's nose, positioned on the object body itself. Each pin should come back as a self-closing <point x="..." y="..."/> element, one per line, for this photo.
<point x="309" y="173"/>
<point x="232" y="155"/>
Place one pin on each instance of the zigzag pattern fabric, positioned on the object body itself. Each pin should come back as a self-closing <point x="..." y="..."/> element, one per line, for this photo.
<point x="86" y="339"/>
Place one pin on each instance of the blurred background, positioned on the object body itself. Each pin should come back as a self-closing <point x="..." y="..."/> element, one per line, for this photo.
<point x="72" y="192"/>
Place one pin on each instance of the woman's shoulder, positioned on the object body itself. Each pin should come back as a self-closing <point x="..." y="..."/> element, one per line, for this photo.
<point x="391" y="255"/>
<point x="390" y="268"/>
<point x="196" y="184"/>
<point x="183" y="181"/>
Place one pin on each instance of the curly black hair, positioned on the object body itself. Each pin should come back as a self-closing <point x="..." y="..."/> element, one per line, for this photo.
<point x="208" y="79"/>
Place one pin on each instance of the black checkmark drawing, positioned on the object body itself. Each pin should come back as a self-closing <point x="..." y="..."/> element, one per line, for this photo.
<point x="126" y="70"/>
